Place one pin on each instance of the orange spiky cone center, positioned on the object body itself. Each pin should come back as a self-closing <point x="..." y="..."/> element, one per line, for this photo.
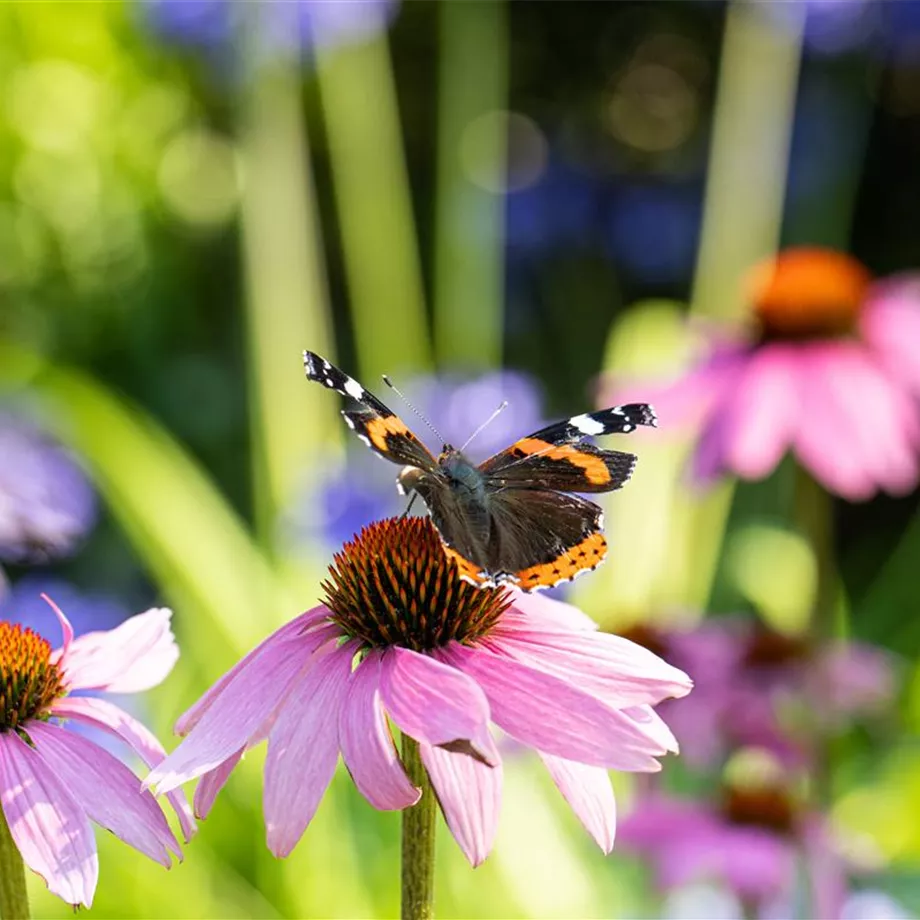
<point x="29" y="680"/>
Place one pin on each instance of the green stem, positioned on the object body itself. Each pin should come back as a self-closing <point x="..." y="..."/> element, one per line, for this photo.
<point x="418" y="824"/>
<point x="814" y="512"/>
<point x="14" y="900"/>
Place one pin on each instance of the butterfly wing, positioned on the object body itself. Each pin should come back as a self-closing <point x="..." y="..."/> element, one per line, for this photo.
<point x="555" y="457"/>
<point x="377" y="426"/>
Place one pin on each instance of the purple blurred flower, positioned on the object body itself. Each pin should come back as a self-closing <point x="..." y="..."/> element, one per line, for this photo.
<point x="364" y="488"/>
<point x="87" y="611"/>
<point x="290" y="26"/>
<point x="752" y="842"/>
<point x="46" y="502"/>
<point x="757" y="688"/>
<point x="832" y="374"/>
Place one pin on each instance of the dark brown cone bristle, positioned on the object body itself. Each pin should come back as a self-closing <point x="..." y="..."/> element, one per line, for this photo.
<point x="394" y="585"/>
<point x="29" y="682"/>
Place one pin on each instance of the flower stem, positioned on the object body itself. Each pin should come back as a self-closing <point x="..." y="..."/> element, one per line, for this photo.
<point x="418" y="824"/>
<point x="814" y="512"/>
<point x="14" y="900"/>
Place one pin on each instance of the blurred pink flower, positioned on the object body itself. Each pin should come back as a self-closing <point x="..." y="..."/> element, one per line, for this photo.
<point x="402" y="637"/>
<point x="753" y="843"/>
<point x="831" y="373"/>
<point x="755" y="687"/>
<point x="53" y="782"/>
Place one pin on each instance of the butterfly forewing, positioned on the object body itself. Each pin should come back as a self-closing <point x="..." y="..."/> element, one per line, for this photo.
<point x="377" y="426"/>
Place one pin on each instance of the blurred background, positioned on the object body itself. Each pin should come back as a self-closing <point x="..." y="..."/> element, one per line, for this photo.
<point x="554" y="203"/>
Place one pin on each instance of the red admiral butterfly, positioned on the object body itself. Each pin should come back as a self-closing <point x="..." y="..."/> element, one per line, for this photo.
<point x="512" y="519"/>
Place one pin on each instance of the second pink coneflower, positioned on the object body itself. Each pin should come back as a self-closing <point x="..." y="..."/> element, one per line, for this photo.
<point x="829" y="371"/>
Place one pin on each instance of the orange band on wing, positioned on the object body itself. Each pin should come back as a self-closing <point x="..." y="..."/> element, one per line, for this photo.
<point x="378" y="429"/>
<point x="596" y="471"/>
<point x="580" y="558"/>
<point x="466" y="569"/>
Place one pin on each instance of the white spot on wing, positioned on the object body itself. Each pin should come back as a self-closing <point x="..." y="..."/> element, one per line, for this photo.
<point x="587" y="425"/>
<point x="354" y="389"/>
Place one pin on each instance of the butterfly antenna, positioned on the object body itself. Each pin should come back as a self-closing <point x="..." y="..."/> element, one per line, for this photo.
<point x="501" y="408"/>
<point x="402" y="396"/>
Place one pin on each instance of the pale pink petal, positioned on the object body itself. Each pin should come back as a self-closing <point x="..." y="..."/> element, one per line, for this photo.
<point x="620" y="672"/>
<point x="111" y="718"/>
<point x="469" y="793"/>
<point x="107" y="791"/>
<point x="303" y="749"/>
<point x="554" y="716"/>
<point x="589" y="794"/>
<point x="433" y="702"/>
<point x="890" y="323"/>
<point x="538" y="611"/>
<point x="134" y="656"/>
<point x="211" y="783"/>
<point x="51" y="831"/>
<point x="367" y="745"/>
<point x="874" y="427"/>
<point x="236" y="714"/>
<point x="296" y="627"/>
<point x="652" y="725"/>
<point x="825" y="868"/>
<point x="764" y="411"/>
<point x="66" y="629"/>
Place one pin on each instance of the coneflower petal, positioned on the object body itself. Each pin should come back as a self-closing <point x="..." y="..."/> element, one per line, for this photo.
<point x="590" y="795"/>
<point x="470" y="794"/>
<point x="303" y="748"/>
<point x="367" y="745"/>
<point x="48" y="826"/>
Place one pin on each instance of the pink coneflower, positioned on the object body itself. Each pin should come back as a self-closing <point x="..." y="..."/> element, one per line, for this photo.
<point x="830" y="372"/>
<point x="754" y="840"/>
<point x="402" y="638"/>
<point x="53" y="782"/>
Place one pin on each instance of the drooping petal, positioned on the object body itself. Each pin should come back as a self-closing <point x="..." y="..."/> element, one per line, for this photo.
<point x="857" y="431"/>
<point x="107" y="791"/>
<point x="764" y="409"/>
<point x="552" y="715"/>
<point x="303" y="749"/>
<point x="111" y="718"/>
<point x="367" y="745"/>
<point x="49" y="828"/>
<point x="589" y="794"/>
<point x="652" y="725"/>
<point x="245" y="704"/>
<point x="620" y="672"/>
<point x="211" y="783"/>
<point x="134" y="656"/>
<point x="299" y="626"/>
<point x="434" y="702"/>
<point x="890" y="323"/>
<point x="469" y="793"/>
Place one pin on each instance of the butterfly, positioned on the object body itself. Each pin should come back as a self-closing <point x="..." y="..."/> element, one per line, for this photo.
<point x="515" y="518"/>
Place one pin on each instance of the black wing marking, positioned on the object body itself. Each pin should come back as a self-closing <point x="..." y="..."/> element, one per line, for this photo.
<point x="616" y="420"/>
<point x="377" y="426"/>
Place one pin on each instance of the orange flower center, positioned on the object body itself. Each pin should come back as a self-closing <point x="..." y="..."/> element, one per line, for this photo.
<point x="29" y="681"/>
<point x="394" y="585"/>
<point x="808" y="292"/>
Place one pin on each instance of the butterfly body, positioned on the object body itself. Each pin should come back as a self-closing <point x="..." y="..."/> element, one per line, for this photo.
<point x="513" y="518"/>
